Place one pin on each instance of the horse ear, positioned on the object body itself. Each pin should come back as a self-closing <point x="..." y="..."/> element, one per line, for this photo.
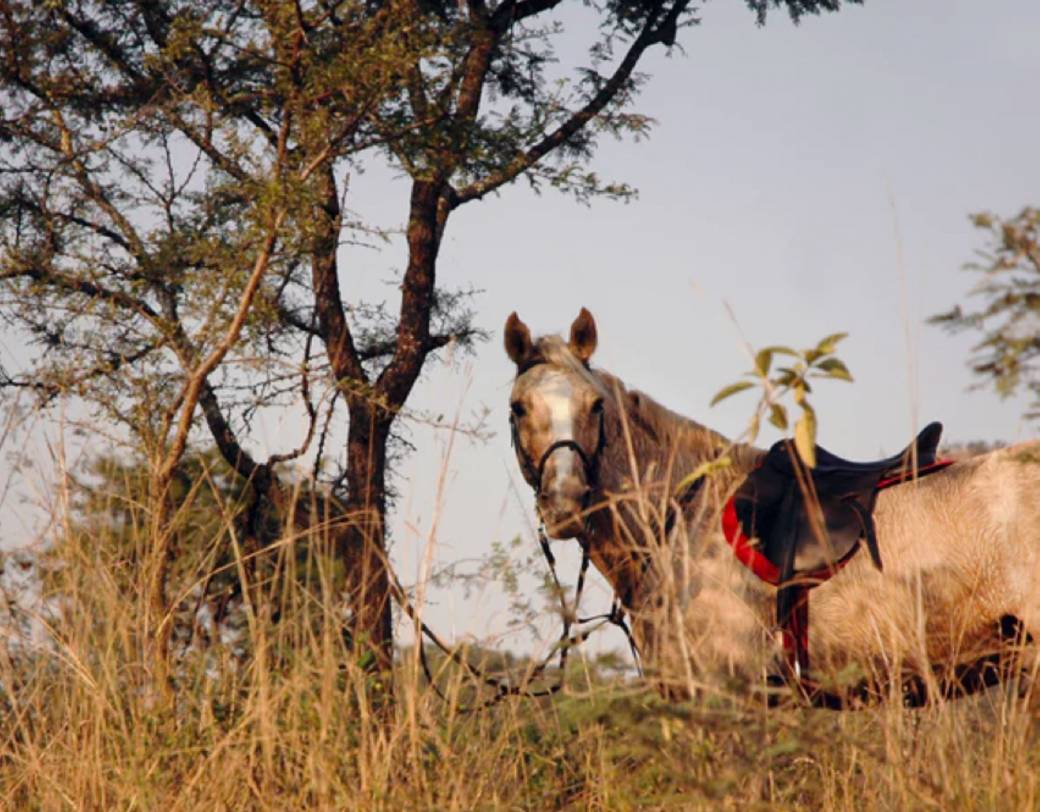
<point x="517" y="339"/>
<point x="583" y="336"/>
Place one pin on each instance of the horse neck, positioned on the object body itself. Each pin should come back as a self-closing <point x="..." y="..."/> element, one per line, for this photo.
<point x="649" y="444"/>
<point x="646" y="441"/>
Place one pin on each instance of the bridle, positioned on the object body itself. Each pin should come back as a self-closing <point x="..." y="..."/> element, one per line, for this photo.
<point x="534" y="475"/>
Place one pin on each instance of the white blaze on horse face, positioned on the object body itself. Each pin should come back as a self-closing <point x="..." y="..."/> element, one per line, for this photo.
<point x="557" y="393"/>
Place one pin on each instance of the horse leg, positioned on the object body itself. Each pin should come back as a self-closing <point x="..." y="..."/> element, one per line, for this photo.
<point x="1023" y="642"/>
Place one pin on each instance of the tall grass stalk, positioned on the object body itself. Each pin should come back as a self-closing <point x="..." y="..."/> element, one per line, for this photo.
<point x="281" y="718"/>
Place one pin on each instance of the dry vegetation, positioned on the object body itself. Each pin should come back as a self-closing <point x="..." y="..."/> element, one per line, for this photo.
<point x="292" y="726"/>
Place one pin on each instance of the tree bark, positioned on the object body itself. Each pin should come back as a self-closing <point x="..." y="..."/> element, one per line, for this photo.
<point x="157" y="624"/>
<point x="361" y="542"/>
<point x="417" y="291"/>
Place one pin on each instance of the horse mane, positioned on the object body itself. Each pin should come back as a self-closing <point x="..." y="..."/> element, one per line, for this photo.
<point x="654" y="429"/>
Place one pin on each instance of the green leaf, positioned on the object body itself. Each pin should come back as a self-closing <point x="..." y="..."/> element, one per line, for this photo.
<point x="805" y="438"/>
<point x="732" y="389"/>
<point x="763" y="360"/>
<point x="366" y="660"/>
<point x="778" y="349"/>
<point x="704" y="469"/>
<point x="835" y="369"/>
<point x="753" y="428"/>
<point x="778" y="416"/>
<point x="827" y="346"/>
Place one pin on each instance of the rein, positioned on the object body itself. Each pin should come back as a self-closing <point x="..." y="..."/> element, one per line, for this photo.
<point x="502" y="688"/>
<point x="570" y="618"/>
<point x="534" y="474"/>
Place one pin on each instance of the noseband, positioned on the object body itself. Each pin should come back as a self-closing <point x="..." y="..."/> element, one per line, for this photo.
<point x="534" y="473"/>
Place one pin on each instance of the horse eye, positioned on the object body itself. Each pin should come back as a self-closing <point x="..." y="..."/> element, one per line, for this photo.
<point x="518" y="409"/>
<point x="597" y="407"/>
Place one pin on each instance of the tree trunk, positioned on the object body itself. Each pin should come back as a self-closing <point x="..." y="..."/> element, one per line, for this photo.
<point x="371" y="415"/>
<point x="157" y="625"/>
<point x="361" y="543"/>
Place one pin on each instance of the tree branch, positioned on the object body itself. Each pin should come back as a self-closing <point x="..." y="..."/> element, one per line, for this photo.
<point x="511" y="12"/>
<point x="328" y="302"/>
<point x="653" y="32"/>
<point x="87" y="288"/>
<point x="197" y="378"/>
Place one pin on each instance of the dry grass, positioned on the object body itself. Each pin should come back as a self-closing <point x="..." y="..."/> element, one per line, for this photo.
<point x="292" y="727"/>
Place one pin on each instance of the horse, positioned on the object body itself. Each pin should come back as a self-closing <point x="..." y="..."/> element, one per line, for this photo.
<point x="961" y="547"/>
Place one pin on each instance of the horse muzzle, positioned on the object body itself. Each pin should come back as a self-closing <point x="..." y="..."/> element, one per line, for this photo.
<point x="563" y="509"/>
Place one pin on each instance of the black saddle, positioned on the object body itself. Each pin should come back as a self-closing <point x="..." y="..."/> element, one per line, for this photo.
<point x="808" y="521"/>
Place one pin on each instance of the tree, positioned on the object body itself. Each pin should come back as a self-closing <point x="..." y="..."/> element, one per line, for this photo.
<point x="172" y="185"/>
<point x="1009" y="317"/>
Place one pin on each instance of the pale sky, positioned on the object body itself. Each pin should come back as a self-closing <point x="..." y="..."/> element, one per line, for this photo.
<point x="782" y="163"/>
<point x="768" y="183"/>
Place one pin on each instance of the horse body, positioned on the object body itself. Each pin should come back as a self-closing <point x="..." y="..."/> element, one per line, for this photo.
<point x="961" y="548"/>
<point x="961" y="551"/>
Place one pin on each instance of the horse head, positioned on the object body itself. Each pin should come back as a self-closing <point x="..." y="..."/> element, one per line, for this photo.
<point x="556" y="418"/>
